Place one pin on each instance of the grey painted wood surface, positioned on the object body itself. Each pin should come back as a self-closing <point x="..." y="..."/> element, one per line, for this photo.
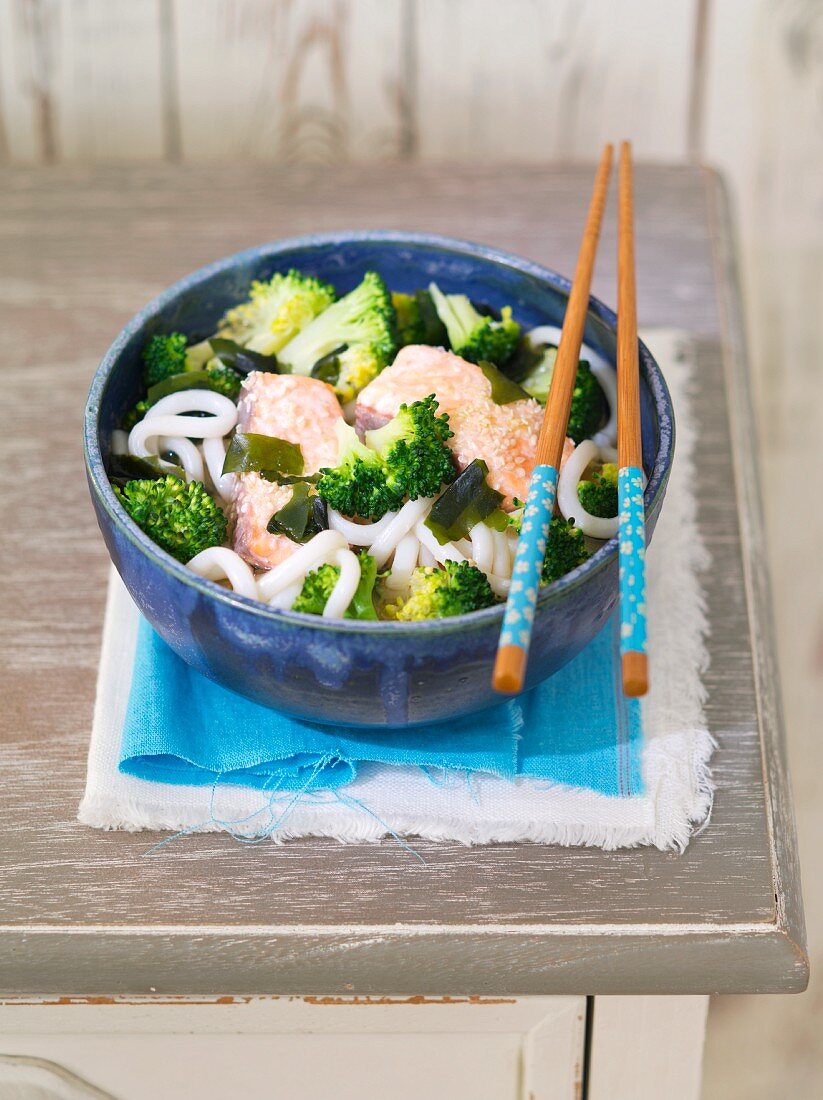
<point x="89" y="913"/>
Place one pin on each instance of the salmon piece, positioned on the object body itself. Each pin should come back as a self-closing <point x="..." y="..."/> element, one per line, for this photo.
<point x="504" y="436"/>
<point x="418" y="371"/>
<point x="299" y="410"/>
<point x="255" y="502"/>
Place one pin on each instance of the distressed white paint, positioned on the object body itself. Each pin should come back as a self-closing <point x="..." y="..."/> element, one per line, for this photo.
<point x="313" y="1047"/>
<point x="647" y="1048"/>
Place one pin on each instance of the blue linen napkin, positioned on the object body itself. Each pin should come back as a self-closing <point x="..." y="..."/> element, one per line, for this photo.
<point x="575" y="728"/>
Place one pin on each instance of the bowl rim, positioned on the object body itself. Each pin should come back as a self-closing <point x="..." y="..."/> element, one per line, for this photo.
<point x="548" y="596"/>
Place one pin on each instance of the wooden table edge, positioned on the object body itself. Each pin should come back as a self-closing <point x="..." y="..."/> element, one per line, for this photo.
<point x="404" y="960"/>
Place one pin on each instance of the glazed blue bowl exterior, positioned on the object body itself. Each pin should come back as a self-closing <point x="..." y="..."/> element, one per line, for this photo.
<point x="343" y="672"/>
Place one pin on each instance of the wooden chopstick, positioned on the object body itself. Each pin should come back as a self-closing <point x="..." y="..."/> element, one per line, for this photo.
<point x="515" y="635"/>
<point x="631" y="482"/>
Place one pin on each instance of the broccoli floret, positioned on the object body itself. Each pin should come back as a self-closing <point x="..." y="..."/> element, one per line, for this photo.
<point x="360" y="327"/>
<point x="320" y="582"/>
<point x="135" y="414"/>
<point x="357" y="485"/>
<point x="589" y="408"/>
<point x="598" y="494"/>
<point x="410" y="328"/>
<point x="437" y="593"/>
<point x="182" y="519"/>
<point x="414" y="449"/>
<point x="224" y="380"/>
<point x="358" y="365"/>
<point x="349" y="369"/>
<point x="472" y="335"/>
<point x="317" y="587"/>
<point x="164" y="356"/>
<point x="407" y="457"/>
<point x="276" y="311"/>
<point x="565" y="550"/>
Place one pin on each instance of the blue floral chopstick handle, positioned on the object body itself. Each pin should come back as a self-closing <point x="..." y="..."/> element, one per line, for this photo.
<point x="632" y="541"/>
<point x="528" y="565"/>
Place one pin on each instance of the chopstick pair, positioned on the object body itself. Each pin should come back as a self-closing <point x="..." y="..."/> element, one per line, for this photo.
<point x="515" y="635"/>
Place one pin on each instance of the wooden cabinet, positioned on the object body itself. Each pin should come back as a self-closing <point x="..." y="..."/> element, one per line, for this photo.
<point x="314" y="1048"/>
<point x="362" y="1048"/>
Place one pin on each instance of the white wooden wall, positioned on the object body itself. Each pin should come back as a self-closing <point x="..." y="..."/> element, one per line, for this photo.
<point x="331" y="79"/>
<point x="739" y="82"/>
<point x="763" y="125"/>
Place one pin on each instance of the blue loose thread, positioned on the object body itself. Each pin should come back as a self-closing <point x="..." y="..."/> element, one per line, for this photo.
<point x="304" y="794"/>
<point x="471" y="787"/>
<point x="349" y="800"/>
<point x="229" y="825"/>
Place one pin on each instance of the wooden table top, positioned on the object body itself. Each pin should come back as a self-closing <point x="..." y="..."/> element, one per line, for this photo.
<point x="89" y="913"/>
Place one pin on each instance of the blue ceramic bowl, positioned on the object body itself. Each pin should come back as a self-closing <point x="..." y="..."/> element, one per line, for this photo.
<point x="357" y="673"/>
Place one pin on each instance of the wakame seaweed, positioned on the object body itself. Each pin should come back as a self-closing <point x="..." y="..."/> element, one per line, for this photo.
<point x="289" y="479"/>
<point x="504" y="390"/>
<point x="467" y="501"/>
<point x="433" y="329"/>
<point x="301" y="517"/>
<point x="263" y="454"/>
<point x="241" y="359"/>
<point x="125" y="468"/>
<point x="327" y="369"/>
<point x="525" y="358"/>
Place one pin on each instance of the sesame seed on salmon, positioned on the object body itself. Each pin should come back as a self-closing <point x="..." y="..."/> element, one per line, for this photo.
<point x="299" y="410"/>
<point x="504" y="436"/>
